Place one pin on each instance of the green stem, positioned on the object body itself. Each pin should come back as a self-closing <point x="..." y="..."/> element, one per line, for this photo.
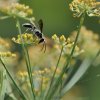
<point x="56" y="85"/>
<point x="27" y="60"/>
<point x="98" y="53"/>
<point x="56" y="66"/>
<point x="76" y="39"/>
<point x="52" y="79"/>
<point x="30" y="71"/>
<point x="18" y="89"/>
<point x="75" y="78"/>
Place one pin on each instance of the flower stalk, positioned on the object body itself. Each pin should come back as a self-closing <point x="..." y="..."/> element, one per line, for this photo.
<point x="52" y="79"/>
<point x="57" y="83"/>
<point x="27" y="60"/>
<point x="15" y="84"/>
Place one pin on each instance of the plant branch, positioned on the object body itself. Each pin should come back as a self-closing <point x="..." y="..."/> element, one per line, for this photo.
<point x="52" y="79"/>
<point x="15" y="84"/>
<point x="27" y="60"/>
<point x="56" y="85"/>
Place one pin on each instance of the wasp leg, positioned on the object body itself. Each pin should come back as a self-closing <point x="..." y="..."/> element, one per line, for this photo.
<point x="44" y="44"/>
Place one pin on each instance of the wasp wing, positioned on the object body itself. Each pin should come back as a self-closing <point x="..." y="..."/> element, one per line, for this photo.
<point x="27" y="25"/>
<point x="40" y="22"/>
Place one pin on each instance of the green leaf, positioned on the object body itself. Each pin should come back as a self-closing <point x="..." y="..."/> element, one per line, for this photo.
<point x="78" y="74"/>
<point x="7" y="97"/>
<point x="5" y="87"/>
<point x="2" y="84"/>
<point x="1" y="80"/>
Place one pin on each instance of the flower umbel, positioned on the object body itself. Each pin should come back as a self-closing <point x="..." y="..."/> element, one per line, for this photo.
<point x="17" y="10"/>
<point x="7" y="54"/>
<point x="4" y="49"/>
<point x="67" y="45"/>
<point x="4" y="3"/>
<point x="26" y="39"/>
<point x="91" y="7"/>
<point x="86" y="38"/>
<point x="41" y="78"/>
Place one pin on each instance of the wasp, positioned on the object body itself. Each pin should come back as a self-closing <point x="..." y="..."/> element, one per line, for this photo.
<point x="37" y="31"/>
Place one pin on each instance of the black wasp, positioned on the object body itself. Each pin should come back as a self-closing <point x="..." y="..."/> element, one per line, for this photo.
<point x="38" y="32"/>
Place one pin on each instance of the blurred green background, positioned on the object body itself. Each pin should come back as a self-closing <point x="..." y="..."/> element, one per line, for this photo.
<point x="56" y="16"/>
<point x="58" y="19"/>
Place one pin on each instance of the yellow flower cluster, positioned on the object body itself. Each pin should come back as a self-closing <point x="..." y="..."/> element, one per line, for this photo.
<point x="91" y="7"/>
<point x="40" y="72"/>
<point x="7" y="54"/>
<point x="41" y="77"/>
<point x="4" y="3"/>
<point x="16" y="9"/>
<point x="61" y="40"/>
<point x="4" y="49"/>
<point x="26" y="39"/>
<point x="67" y="45"/>
<point x="3" y="44"/>
<point x="87" y="40"/>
